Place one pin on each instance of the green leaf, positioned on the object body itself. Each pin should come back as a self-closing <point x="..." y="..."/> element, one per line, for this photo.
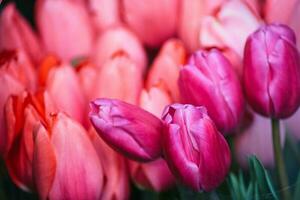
<point x="297" y="188"/>
<point x="234" y="187"/>
<point x="249" y="193"/>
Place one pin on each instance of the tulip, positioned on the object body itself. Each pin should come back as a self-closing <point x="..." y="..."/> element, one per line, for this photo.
<point x="153" y="21"/>
<point x="124" y="76"/>
<point x="209" y="80"/>
<point x="104" y="13"/>
<point x="194" y="149"/>
<point x="10" y="85"/>
<point x="65" y="28"/>
<point x="272" y="82"/>
<point x="19" y="66"/>
<point x="61" y="167"/>
<point x="191" y="14"/>
<point x="116" y="40"/>
<point x="63" y="85"/>
<point x="22" y="114"/>
<point x="128" y="129"/>
<point x="169" y="60"/>
<point x="16" y="33"/>
<point x="256" y="140"/>
<point x="220" y="31"/>
<point x="116" y="185"/>
<point x="153" y="175"/>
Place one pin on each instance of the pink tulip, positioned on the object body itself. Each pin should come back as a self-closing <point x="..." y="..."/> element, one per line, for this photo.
<point x="274" y="12"/>
<point x="257" y="140"/>
<point x="153" y="175"/>
<point x="63" y="85"/>
<point x="116" y="185"/>
<point x="194" y="149"/>
<point x="169" y="61"/>
<point x="22" y="115"/>
<point x="209" y="80"/>
<point x="65" y="28"/>
<point x="191" y="14"/>
<point x="115" y="40"/>
<point x="61" y="167"/>
<point x="128" y="129"/>
<point x="16" y="33"/>
<point x="10" y="85"/>
<point x="104" y="13"/>
<point x="272" y="71"/>
<point x="153" y="21"/>
<point x="125" y="79"/>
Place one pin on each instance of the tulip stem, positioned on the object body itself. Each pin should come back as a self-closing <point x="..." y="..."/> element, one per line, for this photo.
<point x="280" y="166"/>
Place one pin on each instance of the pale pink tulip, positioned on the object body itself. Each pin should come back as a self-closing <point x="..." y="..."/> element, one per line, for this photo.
<point x="169" y="61"/>
<point x="257" y="140"/>
<point x="104" y="13"/>
<point x="154" y="21"/>
<point x="118" y="78"/>
<point x="65" y="163"/>
<point x="115" y="171"/>
<point x="16" y="33"/>
<point x="64" y="87"/>
<point x="119" y="39"/>
<point x="65" y="28"/>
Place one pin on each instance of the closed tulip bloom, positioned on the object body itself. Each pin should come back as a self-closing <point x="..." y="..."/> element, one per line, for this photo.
<point x="257" y="140"/>
<point x="65" y="163"/>
<point x="16" y="33"/>
<point x="153" y="21"/>
<point x="154" y="175"/>
<point x="104" y="13"/>
<point x="169" y="61"/>
<point x="63" y="85"/>
<point x="115" y="170"/>
<point x="125" y="78"/>
<point x="119" y="39"/>
<point x="194" y="149"/>
<point x="22" y="114"/>
<point x="272" y="71"/>
<point x="65" y="28"/>
<point x="210" y="80"/>
<point x="129" y="129"/>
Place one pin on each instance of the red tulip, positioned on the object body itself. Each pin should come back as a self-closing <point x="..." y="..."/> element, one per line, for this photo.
<point x="169" y="61"/>
<point x="128" y="129"/>
<point x="16" y="33"/>
<point x="209" y="80"/>
<point x="65" y="28"/>
<point x="119" y="39"/>
<point x="153" y="21"/>
<point x="22" y="114"/>
<point x="272" y="71"/>
<point x="61" y="167"/>
<point x="194" y="149"/>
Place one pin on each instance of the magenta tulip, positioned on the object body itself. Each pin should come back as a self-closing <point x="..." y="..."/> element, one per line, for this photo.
<point x="210" y="80"/>
<point x="194" y="149"/>
<point x="129" y="129"/>
<point x="272" y="71"/>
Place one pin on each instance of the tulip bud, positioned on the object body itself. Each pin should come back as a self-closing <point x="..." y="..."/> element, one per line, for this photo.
<point x="16" y="33"/>
<point x="65" y="163"/>
<point x="194" y="149"/>
<point x="209" y="80"/>
<point x="272" y="71"/>
<point x="161" y="16"/>
<point x="65" y="28"/>
<point x="257" y="140"/>
<point x="169" y="61"/>
<point x="119" y="39"/>
<point x="128" y="129"/>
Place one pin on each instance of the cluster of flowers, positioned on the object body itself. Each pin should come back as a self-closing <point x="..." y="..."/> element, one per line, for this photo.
<point x="167" y="122"/>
